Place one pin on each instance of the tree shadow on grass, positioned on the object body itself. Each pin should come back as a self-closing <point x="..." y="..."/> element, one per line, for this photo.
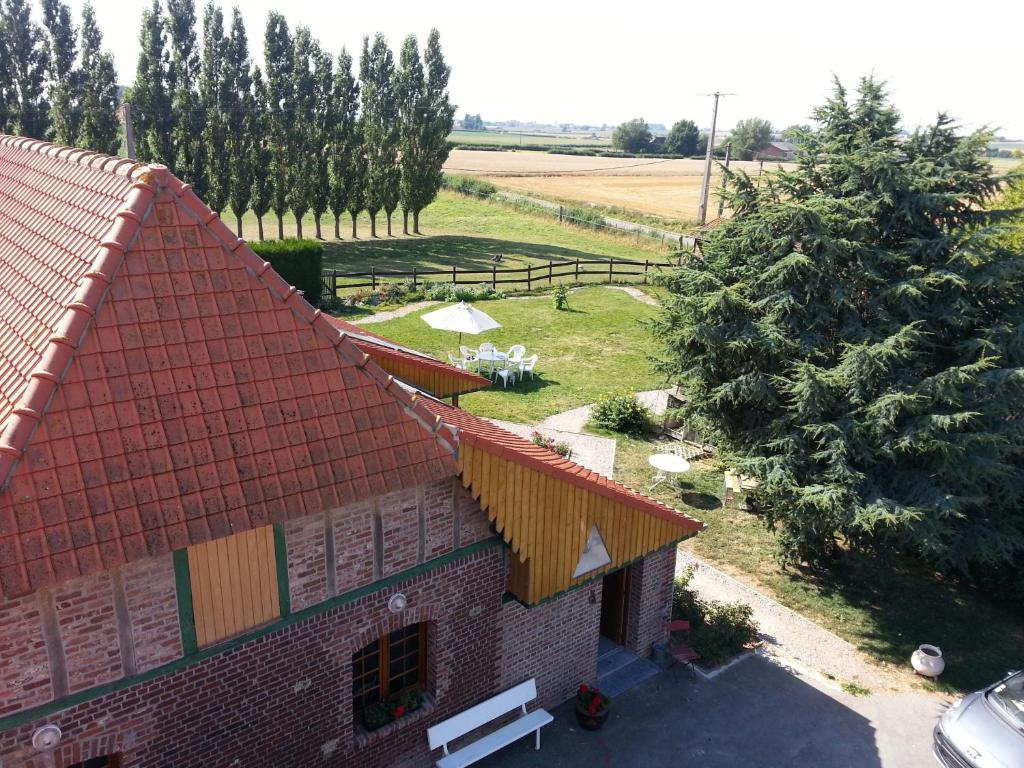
<point x="910" y="604"/>
<point x="522" y="388"/>
<point x="699" y="500"/>
<point x="437" y="251"/>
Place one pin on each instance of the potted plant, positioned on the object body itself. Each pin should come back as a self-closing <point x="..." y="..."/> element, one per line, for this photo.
<point x="592" y="707"/>
<point x="376" y="716"/>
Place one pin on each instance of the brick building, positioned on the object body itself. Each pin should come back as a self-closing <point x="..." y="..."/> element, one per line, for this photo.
<point x="234" y="530"/>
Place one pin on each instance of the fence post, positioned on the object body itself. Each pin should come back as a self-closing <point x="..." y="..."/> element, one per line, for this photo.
<point x="646" y="264"/>
<point x="455" y="278"/>
<point x="549" y="271"/>
<point x="611" y="266"/>
<point x="373" y="277"/>
<point x="529" y="277"/>
<point x="414" y="278"/>
<point x="559" y="214"/>
<point x="577" y="269"/>
<point x="494" y="277"/>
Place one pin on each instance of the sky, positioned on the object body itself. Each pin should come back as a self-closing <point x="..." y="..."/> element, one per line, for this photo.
<point x="595" y="63"/>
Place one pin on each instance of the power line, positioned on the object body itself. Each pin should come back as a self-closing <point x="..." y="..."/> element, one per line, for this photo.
<point x="569" y="172"/>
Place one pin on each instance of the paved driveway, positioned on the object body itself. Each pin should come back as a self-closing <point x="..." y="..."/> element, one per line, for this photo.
<point x="753" y="714"/>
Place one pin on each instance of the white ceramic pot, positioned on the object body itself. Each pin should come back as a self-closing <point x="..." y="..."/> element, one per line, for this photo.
<point x="927" y="660"/>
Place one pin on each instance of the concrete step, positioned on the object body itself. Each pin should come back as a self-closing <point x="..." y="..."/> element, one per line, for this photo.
<point x="627" y="676"/>
<point x="612" y="660"/>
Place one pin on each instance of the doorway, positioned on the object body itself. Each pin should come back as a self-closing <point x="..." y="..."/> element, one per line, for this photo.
<point x="615" y="605"/>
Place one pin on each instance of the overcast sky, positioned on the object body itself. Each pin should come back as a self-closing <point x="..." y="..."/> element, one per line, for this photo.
<point x="599" y="63"/>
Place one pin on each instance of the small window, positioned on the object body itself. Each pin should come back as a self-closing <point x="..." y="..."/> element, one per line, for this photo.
<point x="107" y="761"/>
<point x="234" y="584"/>
<point x="390" y="666"/>
<point x="595" y="554"/>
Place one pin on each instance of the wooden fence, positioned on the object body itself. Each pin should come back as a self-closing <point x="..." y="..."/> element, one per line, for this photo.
<point x="531" y="276"/>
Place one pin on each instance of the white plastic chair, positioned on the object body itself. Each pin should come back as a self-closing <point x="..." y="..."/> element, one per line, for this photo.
<point x="526" y="366"/>
<point x="468" y="357"/>
<point x="486" y="355"/>
<point x="505" y="374"/>
<point x="457" y="362"/>
<point x="515" y="353"/>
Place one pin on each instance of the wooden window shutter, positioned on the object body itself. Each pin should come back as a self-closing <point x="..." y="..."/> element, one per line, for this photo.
<point x="234" y="584"/>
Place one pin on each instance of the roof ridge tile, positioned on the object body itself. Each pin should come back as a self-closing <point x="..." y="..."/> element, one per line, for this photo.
<point x="57" y="151"/>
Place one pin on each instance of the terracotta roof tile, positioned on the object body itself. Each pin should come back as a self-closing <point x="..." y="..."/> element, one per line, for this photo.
<point x="160" y="385"/>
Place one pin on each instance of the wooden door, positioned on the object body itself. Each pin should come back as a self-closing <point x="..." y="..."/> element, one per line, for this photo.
<point x="615" y="605"/>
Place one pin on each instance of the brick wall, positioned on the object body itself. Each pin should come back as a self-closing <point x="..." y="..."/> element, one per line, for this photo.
<point x="153" y="609"/>
<point x="650" y="600"/>
<point x="353" y="545"/>
<point x="555" y="642"/>
<point x="438" y="506"/>
<point x="283" y="700"/>
<point x="471" y="521"/>
<point x="88" y="630"/>
<point x="24" y="669"/>
<point x="399" y="515"/>
<point x="307" y="574"/>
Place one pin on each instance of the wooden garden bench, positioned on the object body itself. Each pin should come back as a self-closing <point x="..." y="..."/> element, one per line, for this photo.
<point x="448" y="730"/>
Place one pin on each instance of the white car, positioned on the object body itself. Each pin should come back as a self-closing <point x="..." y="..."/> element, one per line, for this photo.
<point x="984" y="729"/>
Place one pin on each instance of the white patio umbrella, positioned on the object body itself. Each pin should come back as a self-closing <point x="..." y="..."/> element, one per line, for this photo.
<point x="462" y="318"/>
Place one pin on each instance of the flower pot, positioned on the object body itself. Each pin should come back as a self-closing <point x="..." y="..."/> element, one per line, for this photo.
<point x="591" y="722"/>
<point x="927" y="661"/>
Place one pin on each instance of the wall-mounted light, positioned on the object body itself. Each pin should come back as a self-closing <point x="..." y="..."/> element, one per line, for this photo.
<point x="593" y="597"/>
<point x="397" y="603"/>
<point x="46" y="738"/>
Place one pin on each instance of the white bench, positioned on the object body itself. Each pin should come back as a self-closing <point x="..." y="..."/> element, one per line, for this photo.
<point x="484" y="712"/>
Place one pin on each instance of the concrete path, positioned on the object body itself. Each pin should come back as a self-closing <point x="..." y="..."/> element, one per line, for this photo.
<point x="795" y="641"/>
<point x="594" y="453"/>
<point x="391" y="314"/>
<point x="636" y="293"/>
<point x="755" y="713"/>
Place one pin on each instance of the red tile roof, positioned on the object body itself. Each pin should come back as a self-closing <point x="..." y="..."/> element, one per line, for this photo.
<point x="424" y="372"/>
<point x="160" y="385"/>
<point x="472" y="430"/>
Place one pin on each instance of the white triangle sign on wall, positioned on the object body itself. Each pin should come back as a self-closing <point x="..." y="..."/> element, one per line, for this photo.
<point x="595" y="554"/>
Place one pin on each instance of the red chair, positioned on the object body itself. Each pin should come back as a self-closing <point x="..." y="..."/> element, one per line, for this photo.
<point x="679" y="648"/>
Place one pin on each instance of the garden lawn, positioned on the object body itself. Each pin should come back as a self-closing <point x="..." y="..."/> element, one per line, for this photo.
<point x="596" y="347"/>
<point x="465" y="232"/>
<point x="886" y="611"/>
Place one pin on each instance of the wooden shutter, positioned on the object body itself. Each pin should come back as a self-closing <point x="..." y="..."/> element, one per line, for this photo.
<point x="234" y="584"/>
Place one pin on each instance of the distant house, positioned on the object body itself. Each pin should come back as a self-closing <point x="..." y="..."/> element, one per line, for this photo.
<point x="656" y="144"/>
<point x="777" y="150"/>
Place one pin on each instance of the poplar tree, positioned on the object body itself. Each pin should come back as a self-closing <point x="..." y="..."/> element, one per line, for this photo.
<point x="64" y="87"/>
<point x="8" y="96"/>
<point x="26" y="61"/>
<point x="99" y="130"/>
<point x="324" y="126"/>
<point x="149" y="95"/>
<point x="438" y="117"/>
<point x="302" y="170"/>
<point x="212" y="99"/>
<point x="343" y="166"/>
<point x="277" y="54"/>
<point x="852" y="337"/>
<point x="355" y="202"/>
<point x="240" y="118"/>
<point x="412" y="111"/>
<point x="187" y="118"/>
<point x="380" y="129"/>
<point x="261" y="148"/>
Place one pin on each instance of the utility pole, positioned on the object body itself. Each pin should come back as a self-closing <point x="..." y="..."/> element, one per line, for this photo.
<point x="705" y="187"/>
<point x="721" y="199"/>
<point x="129" y="130"/>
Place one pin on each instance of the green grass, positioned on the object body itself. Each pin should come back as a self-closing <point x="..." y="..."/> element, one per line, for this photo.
<point x="595" y="347"/>
<point x="528" y="139"/>
<point x="886" y="611"/>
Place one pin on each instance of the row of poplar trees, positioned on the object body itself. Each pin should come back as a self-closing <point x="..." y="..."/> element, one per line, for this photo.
<point x="56" y="81"/>
<point x="307" y="135"/>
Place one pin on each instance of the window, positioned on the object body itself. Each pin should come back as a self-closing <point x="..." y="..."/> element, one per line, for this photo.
<point x="389" y="666"/>
<point x="234" y="584"/>
<point x="595" y="554"/>
<point x="107" y="761"/>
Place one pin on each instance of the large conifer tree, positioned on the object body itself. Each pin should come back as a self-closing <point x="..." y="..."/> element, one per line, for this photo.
<point x="99" y="130"/>
<point x="853" y="337"/>
<point x="65" y="79"/>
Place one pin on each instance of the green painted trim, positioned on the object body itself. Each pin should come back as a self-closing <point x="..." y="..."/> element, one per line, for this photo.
<point x="281" y="558"/>
<point x="186" y="613"/>
<point x="44" y="710"/>
<point x="601" y="575"/>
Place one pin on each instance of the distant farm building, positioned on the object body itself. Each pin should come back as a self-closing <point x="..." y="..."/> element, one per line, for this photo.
<point x="777" y="150"/>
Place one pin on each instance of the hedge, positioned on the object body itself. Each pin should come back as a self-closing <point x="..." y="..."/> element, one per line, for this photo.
<point x="300" y="262"/>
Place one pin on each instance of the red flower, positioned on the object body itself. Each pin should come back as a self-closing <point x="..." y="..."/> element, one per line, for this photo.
<point x="583" y="688"/>
<point x="399" y="710"/>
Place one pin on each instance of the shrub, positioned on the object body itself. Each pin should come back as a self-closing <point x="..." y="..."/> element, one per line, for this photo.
<point x="562" y="449"/>
<point x="718" y="631"/>
<point x="455" y="292"/>
<point x="299" y="262"/>
<point x="621" y="412"/>
<point x="468" y="185"/>
<point x="584" y="217"/>
<point x="560" y="298"/>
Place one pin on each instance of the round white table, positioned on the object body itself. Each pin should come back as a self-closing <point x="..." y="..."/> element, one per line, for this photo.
<point x="667" y="464"/>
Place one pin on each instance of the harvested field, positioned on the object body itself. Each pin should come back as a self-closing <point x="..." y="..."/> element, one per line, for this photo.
<point x="668" y="188"/>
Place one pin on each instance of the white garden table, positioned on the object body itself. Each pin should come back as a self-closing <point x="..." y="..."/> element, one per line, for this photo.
<point x="667" y="464"/>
